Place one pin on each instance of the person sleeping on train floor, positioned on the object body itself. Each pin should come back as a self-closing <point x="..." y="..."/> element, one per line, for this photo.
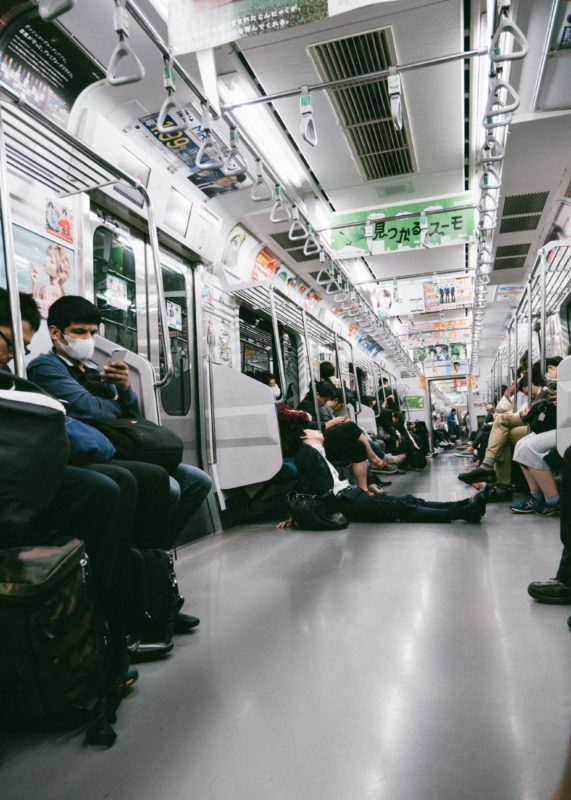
<point x="93" y="395"/>
<point x="345" y="442"/>
<point x="317" y="476"/>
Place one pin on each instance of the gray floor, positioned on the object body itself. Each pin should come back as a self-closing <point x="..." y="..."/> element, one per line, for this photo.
<point x="400" y="662"/>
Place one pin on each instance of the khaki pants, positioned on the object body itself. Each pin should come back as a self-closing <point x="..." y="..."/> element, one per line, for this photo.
<point x="506" y="431"/>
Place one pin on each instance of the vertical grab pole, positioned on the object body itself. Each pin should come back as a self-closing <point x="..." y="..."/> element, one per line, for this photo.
<point x="277" y="343"/>
<point x="11" y="275"/>
<point x="357" y="390"/>
<point x="377" y="388"/>
<point x="509" y="361"/>
<point x="311" y="376"/>
<point x="542" y="344"/>
<point x="529" y="342"/>
<point x="338" y="359"/>
<point x="515" y="359"/>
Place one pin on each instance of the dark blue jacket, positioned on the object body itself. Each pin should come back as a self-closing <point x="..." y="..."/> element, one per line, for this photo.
<point x="92" y="401"/>
<point x="314" y="474"/>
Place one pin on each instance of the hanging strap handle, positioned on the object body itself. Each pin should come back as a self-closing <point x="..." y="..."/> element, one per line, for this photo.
<point x="395" y="93"/>
<point x="311" y="246"/>
<point x="297" y="231"/>
<point x="171" y="107"/>
<point x="492" y="150"/>
<point x="280" y="212"/>
<point x="261" y="191"/>
<point x="490" y="172"/>
<point x="234" y="163"/>
<point x="508" y="26"/>
<point x="209" y="154"/>
<point x="122" y="51"/>
<point x="494" y="106"/>
<point x="51" y="9"/>
<point x="307" y="123"/>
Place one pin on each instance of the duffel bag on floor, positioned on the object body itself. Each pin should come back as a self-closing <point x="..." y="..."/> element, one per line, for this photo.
<point x="56" y="662"/>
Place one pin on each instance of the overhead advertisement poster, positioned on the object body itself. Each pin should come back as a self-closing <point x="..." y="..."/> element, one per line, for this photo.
<point x="398" y="298"/>
<point x="441" y="294"/>
<point x="390" y="229"/>
<point x="184" y="145"/>
<point x="201" y="24"/>
<point x="41" y="62"/>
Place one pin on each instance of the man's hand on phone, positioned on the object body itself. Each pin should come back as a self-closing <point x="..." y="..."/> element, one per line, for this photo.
<point x="117" y="373"/>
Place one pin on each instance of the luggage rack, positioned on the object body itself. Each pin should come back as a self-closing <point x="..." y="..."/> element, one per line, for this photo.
<point x="62" y="162"/>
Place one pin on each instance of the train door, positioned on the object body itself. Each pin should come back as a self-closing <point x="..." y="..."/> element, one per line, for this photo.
<point x="125" y="292"/>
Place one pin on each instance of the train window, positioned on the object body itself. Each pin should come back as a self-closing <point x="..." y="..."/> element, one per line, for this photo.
<point x="114" y="286"/>
<point x="256" y="343"/>
<point x="291" y="367"/>
<point x="176" y="397"/>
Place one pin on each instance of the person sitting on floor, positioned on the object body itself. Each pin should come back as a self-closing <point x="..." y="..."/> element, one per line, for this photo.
<point x="317" y="476"/>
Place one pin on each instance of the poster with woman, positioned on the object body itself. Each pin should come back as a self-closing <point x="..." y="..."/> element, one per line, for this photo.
<point x="45" y="269"/>
<point x="59" y="220"/>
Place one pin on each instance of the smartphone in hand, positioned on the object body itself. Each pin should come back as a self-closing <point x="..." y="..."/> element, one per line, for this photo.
<point x="117" y="354"/>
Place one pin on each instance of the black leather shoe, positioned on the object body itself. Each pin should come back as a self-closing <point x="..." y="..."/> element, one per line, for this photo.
<point x="480" y="475"/>
<point x="147" y="651"/>
<point x="498" y="494"/>
<point x="552" y="592"/>
<point x="184" y="623"/>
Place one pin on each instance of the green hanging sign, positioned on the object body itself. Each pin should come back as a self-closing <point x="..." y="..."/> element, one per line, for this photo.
<point x="432" y="222"/>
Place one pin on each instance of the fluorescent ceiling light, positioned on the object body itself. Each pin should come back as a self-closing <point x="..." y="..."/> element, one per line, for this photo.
<point x="262" y="129"/>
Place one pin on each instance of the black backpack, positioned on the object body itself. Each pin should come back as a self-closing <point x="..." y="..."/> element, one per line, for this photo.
<point x="156" y="594"/>
<point x="143" y="440"/>
<point x="57" y="667"/>
<point x="34" y="451"/>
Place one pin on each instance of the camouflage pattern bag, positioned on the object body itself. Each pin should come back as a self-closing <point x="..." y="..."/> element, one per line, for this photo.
<point x="55" y="661"/>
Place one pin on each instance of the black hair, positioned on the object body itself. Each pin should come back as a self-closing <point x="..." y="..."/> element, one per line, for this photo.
<point x="504" y="388"/>
<point x="523" y="382"/>
<point x="326" y="370"/>
<point x="73" y="308"/>
<point x="385" y="380"/>
<point x="263" y="377"/>
<point x="553" y="361"/>
<point x="28" y="310"/>
<point x="292" y="436"/>
<point x="326" y="390"/>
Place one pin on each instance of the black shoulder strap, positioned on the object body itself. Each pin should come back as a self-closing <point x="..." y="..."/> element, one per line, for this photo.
<point x="8" y="379"/>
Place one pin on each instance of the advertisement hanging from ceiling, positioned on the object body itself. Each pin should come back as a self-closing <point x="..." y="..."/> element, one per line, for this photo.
<point x="413" y="333"/>
<point x="390" y="229"/>
<point x="508" y="293"/>
<point x="398" y="298"/>
<point x="201" y="24"/>
<point x="184" y="146"/>
<point x="41" y="62"/>
<point x="442" y="294"/>
<point x="453" y="353"/>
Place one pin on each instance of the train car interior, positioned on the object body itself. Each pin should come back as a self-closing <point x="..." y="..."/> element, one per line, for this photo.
<point x="294" y="223"/>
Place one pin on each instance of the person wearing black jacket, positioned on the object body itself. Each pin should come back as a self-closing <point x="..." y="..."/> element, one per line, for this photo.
<point x="318" y="477"/>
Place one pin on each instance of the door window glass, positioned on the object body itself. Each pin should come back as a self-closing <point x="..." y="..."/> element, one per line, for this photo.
<point x="175" y="397"/>
<point x="114" y="286"/>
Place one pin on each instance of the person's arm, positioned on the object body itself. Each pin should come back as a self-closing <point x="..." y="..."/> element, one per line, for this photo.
<point x="53" y="376"/>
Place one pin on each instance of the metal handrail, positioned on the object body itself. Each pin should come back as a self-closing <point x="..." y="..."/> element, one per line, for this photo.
<point x="276" y="331"/>
<point x="10" y="261"/>
<point x="311" y="375"/>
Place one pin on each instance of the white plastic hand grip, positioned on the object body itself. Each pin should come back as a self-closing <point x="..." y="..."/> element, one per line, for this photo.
<point x="122" y="52"/>
<point x="51" y="9"/>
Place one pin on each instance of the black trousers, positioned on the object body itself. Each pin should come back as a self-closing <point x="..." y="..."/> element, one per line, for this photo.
<point x="341" y="443"/>
<point x="358" y="506"/>
<point x="145" y="493"/>
<point x="564" y="571"/>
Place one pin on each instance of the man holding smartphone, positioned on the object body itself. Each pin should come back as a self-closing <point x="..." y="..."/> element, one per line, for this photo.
<point x="98" y="395"/>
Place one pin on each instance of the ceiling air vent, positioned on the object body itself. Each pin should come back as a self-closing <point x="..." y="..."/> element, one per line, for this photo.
<point x="507" y="250"/>
<point x="522" y="212"/>
<point x="513" y="262"/>
<point x="294" y="249"/>
<point x="516" y="224"/>
<point x="364" y="110"/>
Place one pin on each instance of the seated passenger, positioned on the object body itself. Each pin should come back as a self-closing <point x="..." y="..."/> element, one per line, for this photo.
<point x="558" y="590"/>
<point x="506" y="431"/>
<point x="318" y="476"/>
<point x="86" y="506"/>
<point x="97" y="395"/>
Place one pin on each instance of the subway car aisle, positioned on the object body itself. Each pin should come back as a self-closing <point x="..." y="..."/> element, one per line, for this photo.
<point x="400" y="662"/>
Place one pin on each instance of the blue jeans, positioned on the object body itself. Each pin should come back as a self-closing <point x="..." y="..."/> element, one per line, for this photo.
<point x="188" y="489"/>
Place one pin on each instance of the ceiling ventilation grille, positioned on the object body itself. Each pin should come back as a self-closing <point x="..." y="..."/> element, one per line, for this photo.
<point x="294" y="249"/>
<point x="364" y="110"/>
<point x="522" y="212"/>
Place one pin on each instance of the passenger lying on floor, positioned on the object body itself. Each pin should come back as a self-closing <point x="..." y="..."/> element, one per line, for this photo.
<point x="317" y="476"/>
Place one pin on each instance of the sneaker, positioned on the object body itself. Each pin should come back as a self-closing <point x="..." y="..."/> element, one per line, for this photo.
<point x="374" y="489"/>
<point x="398" y="460"/>
<point x="547" y="511"/>
<point x="388" y="468"/>
<point x="527" y="506"/>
